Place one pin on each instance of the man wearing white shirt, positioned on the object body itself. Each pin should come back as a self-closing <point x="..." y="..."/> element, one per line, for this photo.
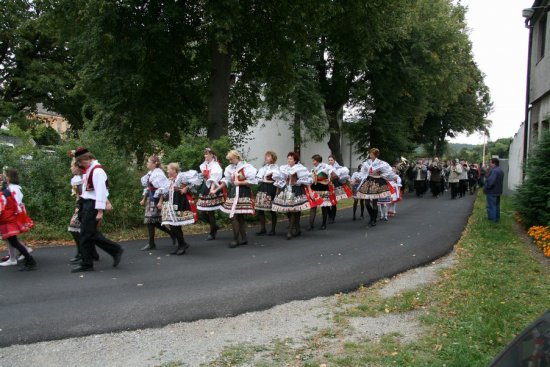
<point x="93" y="202"/>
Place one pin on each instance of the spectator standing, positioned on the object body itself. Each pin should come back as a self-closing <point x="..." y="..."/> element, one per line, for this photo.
<point x="419" y="173"/>
<point x="455" y="169"/>
<point x="463" y="178"/>
<point x="435" y="177"/>
<point x="493" y="190"/>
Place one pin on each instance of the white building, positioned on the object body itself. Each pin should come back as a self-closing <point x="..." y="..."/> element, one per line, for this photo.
<point x="277" y="135"/>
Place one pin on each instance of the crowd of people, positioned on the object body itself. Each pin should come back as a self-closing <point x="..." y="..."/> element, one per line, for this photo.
<point x="174" y="198"/>
<point x="457" y="176"/>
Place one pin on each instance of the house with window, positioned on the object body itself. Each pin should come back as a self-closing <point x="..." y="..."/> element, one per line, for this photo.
<point x="537" y="104"/>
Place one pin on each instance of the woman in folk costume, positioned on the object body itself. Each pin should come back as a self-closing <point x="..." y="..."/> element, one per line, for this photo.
<point x="238" y="177"/>
<point x="210" y="200"/>
<point x="12" y="178"/>
<point x="396" y="196"/>
<point x="177" y="204"/>
<point x="266" y="192"/>
<point x="355" y="181"/>
<point x="10" y="225"/>
<point x="340" y="181"/>
<point x="154" y="180"/>
<point x="374" y="185"/>
<point x="74" y="223"/>
<point x="321" y="174"/>
<point x="296" y="195"/>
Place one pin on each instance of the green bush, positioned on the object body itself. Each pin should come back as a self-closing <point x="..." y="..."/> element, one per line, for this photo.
<point x="190" y="153"/>
<point x="45" y="179"/>
<point x="532" y="200"/>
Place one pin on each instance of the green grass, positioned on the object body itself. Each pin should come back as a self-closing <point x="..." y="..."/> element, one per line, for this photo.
<point x="470" y="314"/>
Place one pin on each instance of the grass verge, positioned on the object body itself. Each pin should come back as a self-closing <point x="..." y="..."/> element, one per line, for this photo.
<point x="496" y="289"/>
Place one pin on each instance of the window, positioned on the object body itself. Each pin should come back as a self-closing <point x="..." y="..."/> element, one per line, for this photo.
<point x="542" y="36"/>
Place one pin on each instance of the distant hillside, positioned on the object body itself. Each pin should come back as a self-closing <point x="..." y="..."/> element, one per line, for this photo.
<point x="457" y="147"/>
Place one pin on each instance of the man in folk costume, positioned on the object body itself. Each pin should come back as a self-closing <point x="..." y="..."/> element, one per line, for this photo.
<point x="154" y="180"/>
<point x="374" y="185"/>
<point x="267" y="192"/>
<point x="321" y="174"/>
<point x="339" y="180"/>
<point x="238" y="177"/>
<point x="93" y="202"/>
<point x="296" y="195"/>
<point x="208" y="202"/>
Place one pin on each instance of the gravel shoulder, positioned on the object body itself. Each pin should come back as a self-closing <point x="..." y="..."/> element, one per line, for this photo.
<point x="203" y="342"/>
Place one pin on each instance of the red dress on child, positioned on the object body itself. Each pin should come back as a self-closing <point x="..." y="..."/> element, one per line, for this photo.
<point x="9" y="224"/>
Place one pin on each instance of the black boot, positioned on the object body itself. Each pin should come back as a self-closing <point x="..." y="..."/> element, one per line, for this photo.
<point x="273" y="223"/>
<point x="297" y="231"/>
<point x="374" y="216"/>
<point x="312" y="215"/>
<point x="326" y="214"/>
<point x="149" y="246"/>
<point x="30" y="264"/>
<point x="261" y="215"/>
<point x="242" y="230"/>
<point x="291" y="219"/>
<point x="213" y="226"/>
<point x="236" y="229"/>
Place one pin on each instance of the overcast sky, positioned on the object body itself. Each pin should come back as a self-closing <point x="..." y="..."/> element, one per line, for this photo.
<point x="500" y="39"/>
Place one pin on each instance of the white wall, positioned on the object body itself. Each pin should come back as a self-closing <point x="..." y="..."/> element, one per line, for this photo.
<point x="276" y="135"/>
<point x="515" y="169"/>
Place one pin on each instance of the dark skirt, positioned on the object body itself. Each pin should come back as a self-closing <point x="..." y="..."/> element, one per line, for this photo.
<point x="179" y="212"/>
<point x="152" y="213"/>
<point x="373" y="188"/>
<point x="208" y="202"/>
<point x="291" y="199"/>
<point x="265" y="195"/>
<point x="324" y="193"/>
<point x="245" y="203"/>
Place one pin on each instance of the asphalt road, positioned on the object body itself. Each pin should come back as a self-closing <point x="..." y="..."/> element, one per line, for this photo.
<point x="153" y="289"/>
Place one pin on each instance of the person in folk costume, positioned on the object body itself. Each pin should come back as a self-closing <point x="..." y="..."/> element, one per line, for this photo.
<point x="238" y="177"/>
<point x="396" y="196"/>
<point x="339" y="180"/>
<point x="12" y="179"/>
<point x="209" y="202"/>
<point x="356" y="180"/>
<point x="93" y="202"/>
<point x="374" y="185"/>
<point x="296" y="195"/>
<point x="321" y="174"/>
<point x="177" y="204"/>
<point x="74" y="223"/>
<point x="266" y="193"/>
<point x="10" y="225"/>
<point x="154" y="180"/>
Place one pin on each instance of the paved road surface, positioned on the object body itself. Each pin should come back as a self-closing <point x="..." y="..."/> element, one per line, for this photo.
<point x="212" y="280"/>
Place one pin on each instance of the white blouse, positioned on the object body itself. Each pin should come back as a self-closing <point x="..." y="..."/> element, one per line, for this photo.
<point x="303" y="174"/>
<point x="156" y="178"/>
<point x="214" y="175"/>
<point x="266" y="170"/>
<point x="233" y="169"/>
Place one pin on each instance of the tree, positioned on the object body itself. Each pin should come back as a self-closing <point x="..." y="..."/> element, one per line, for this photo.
<point x="532" y="200"/>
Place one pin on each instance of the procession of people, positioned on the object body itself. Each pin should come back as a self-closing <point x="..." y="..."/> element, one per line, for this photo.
<point x="173" y="199"/>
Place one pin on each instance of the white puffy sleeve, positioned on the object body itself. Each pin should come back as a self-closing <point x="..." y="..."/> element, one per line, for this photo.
<point x="387" y="172"/>
<point x="280" y="176"/>
<point x="356" y="177"/>
<point x="343" y="174"/>
<point x="145" y="182"/>
<point x="216" y="175"/>
<point x="304" y="176"/>
<point x="188" y="178"/>
<point x="261" y="173"/>
<point x="250" y="174"/>
<point x="76" y="180"/>
<point x="227" y="173"/>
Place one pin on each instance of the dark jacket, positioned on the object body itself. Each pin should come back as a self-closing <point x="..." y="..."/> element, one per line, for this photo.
<point x="494" y="181"/>
<point x="435" y="173"/>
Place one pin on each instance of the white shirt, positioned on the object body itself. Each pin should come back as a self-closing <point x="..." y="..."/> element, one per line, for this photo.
<point x="100" y="192"/>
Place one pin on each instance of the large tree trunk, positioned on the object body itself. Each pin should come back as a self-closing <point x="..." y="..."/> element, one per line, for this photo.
<point x="335" y="118"/>
<point x="218" y="86"/>
<point x="297" y="133"/>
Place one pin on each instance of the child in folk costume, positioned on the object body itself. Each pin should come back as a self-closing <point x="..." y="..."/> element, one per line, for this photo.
<point x="12" y="178"/>
<point x="396" y="196"/>
<point x="210" y="200"/>
<point x="296" y="195"/>
<point x="154" y="180"/>
<point x="238" y="177"/>
<point x="10" y="226"/>
<point x="74" y="223"/>
<point x="321" y="174"/>
<point x="340" y="181"/>
<point x="374" y="185"/>
<point x="355" y="181"/>
<point x="177" y="204"/>
<point x="266" y="192"/>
